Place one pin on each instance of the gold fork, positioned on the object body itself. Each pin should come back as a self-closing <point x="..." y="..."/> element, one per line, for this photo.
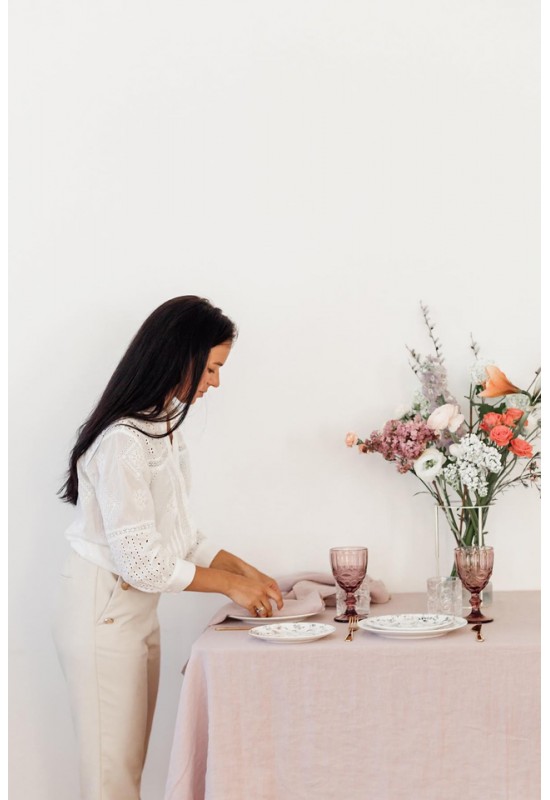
<point x="477" y="630"/>
<point x="352" y="626"/>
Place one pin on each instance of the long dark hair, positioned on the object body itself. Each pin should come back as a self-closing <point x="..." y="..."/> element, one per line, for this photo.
<point x="168" y="354"/>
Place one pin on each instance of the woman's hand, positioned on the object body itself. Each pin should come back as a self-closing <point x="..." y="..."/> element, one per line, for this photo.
<point x="255" y="595"/>
<point x="269" y="588"/>
<point x="269" y="583"/>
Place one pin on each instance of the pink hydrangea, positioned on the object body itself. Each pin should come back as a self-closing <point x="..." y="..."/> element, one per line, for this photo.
<point x="402" y="441"/>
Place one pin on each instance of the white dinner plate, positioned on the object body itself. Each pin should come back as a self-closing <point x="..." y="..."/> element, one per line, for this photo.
<point x="426" y="633"/>
<point x="411" y="623"/>
<point x="270" y="620"/>
<point x="292" y="632"/>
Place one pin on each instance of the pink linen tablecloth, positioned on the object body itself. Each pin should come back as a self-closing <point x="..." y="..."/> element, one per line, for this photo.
<point x="377" y="719"/>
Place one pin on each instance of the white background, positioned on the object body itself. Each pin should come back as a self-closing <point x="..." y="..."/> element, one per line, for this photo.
<point x="316" y="169"/>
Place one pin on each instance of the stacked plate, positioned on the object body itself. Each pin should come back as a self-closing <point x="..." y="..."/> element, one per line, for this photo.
<point x="412" y="626"/>
<point x="270" y="620"/>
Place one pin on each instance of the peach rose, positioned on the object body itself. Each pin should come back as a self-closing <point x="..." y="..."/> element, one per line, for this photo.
<point x="501" y="435"/>
<point x="521" y="448"/>
<point x="490" y="420"/>
<point x="512" y="416"/>
<point x="497" y="384"/>
<point x="351" y="439"/>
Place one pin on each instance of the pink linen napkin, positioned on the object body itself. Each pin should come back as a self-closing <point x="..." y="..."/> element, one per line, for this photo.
<point x="304" y="593"/>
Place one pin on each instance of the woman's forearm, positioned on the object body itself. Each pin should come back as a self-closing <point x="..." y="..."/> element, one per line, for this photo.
<point x="241" y="582"/>
<point x="253" y="592"/>
<point x="230" y="563"/>
<point x="209" y="579"/>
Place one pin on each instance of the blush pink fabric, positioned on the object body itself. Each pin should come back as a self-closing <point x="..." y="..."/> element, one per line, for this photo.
<point x="304" y="593"/>
<point x="426" y="719"/>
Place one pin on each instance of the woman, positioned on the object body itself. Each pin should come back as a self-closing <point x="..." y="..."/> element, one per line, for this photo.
<point x="133" y="538"/>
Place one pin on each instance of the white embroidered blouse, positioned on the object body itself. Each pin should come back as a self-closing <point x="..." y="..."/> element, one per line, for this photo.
<point x="133" y="515"/>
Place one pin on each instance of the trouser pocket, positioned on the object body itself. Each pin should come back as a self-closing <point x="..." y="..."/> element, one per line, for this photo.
<point x="107" y="592"/>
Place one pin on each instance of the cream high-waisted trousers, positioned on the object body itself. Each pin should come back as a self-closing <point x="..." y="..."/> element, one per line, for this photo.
<point x="107" y="637"/>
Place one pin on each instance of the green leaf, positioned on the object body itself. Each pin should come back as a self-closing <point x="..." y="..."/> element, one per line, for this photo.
<point x="486" y="408"/>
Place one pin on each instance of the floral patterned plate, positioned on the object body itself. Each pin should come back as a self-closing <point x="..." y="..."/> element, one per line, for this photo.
<point x="410" y="623"/>
<point x="292" y="632"/>
<point x="412" y="626"/>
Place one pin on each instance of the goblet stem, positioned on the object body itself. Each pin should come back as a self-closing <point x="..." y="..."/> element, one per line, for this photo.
<point x="350" y="603"/>
<point x="475" y="616"/>
<point x="351" y="610"/>
<point x="475" y="602"/>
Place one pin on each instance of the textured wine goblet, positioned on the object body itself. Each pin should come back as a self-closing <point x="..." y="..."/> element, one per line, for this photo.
<point x="349" y="567"/>
<point x="475" y="566"/>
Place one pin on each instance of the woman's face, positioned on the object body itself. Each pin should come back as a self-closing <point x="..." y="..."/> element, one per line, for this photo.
<point x="211" y="375"/>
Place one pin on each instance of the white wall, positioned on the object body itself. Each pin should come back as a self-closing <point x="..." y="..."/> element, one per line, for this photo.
<point x="316" y="169"/>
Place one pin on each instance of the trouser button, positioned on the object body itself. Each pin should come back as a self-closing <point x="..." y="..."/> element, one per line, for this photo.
<point x="108" y="620"/>
<point x="124" y="585"/>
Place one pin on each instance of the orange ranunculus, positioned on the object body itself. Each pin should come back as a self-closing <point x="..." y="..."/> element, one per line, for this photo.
<point x="512" y="416"/>
<point x="501" y="435"/>
<point x="490" y="420"/>
<point x="497" y="384"/>
<point x="521" y="448"/>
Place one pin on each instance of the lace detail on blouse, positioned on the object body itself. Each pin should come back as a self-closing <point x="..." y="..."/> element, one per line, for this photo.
<point x="144" y="562"/>
<point x="133" y="508"/>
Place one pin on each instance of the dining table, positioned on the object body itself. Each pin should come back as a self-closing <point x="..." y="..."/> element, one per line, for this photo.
<point x="448" y="717"/>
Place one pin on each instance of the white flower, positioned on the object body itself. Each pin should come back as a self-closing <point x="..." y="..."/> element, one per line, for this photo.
<point x="401" y="411"/>
<point x="474" y="459"/>
<point x="472" y="450"/>
<point x="430" y="464"/>
<point x="520" y="401"/>
<point x="421" y="404"/>
<point x="450" y="475"/>
<point x="446" y="417"/>
<point x="478" y="374"/>
<point x="456" y="450"/>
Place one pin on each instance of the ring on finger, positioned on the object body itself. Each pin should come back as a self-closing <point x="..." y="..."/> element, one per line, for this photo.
<point x="260" y="610"/>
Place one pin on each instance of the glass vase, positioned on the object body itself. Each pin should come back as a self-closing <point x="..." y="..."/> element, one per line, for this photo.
<point x="458" y="525"/>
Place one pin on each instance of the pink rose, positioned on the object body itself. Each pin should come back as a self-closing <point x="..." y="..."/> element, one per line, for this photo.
<point x="521" y="448"/>
<point x="351" y="439"/>
<point x="512" y="416"/>
<point x="446" y="417"/>
<point x="501" y="435"/>
<point x="490" y="420"/>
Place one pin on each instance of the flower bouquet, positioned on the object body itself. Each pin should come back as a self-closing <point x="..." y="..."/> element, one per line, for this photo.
<point x="464" y="460"/>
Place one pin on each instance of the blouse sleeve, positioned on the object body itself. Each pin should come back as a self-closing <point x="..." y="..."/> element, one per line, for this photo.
<point x="128" y="512"/>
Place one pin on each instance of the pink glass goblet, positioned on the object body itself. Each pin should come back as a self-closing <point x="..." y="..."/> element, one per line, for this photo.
<point x="475" y="566"/>
<point x="349" y="567"/>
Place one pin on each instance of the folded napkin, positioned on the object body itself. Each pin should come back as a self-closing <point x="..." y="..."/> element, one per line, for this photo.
<point x="304" y="593"/>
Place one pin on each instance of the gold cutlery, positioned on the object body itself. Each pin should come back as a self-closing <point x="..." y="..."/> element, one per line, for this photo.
<point x="223" y="628"/>
<point x="352" y="626"/>
<point x="477" y="630"/>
